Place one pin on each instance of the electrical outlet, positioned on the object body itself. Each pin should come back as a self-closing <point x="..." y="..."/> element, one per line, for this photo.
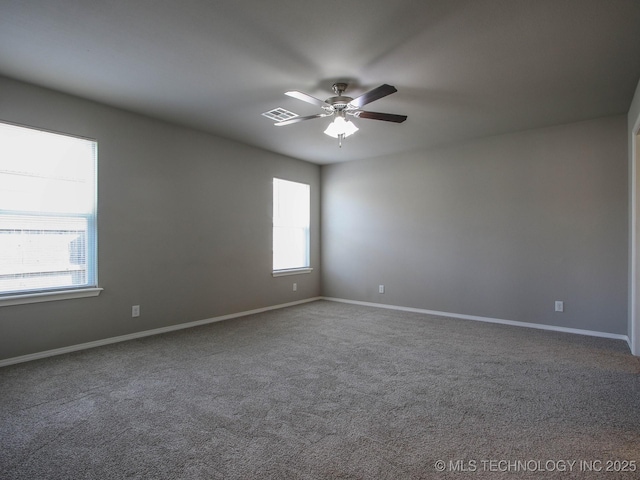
<point x="295" y="287"/>
<point x="380" y="288"/>
<point x="135" y="311"/>
<point x="559" y="306"/>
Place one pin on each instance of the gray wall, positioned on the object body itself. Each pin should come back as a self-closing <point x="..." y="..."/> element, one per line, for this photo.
<point x="184" y="225"/>
<point x="500" y="228"/>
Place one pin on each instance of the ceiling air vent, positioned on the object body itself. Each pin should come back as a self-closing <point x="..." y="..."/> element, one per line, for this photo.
<point x="279" y="114"/>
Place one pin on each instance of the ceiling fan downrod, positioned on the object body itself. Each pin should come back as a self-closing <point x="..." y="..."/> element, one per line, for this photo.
<point x="339" y="88"/>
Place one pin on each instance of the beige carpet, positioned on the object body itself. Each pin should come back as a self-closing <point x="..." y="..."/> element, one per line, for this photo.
<point x="327" y="390"/>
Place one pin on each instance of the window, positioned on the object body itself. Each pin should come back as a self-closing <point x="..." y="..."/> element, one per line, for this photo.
<point x="47" y="213"/>
<point x="291" y="207"/>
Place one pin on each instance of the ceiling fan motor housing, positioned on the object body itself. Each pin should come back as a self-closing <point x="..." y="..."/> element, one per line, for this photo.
<point x="339" y="102"/>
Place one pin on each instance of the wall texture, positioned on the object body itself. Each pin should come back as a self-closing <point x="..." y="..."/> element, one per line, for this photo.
<point x="184" y="225"/>
<point x="499" y="228"/>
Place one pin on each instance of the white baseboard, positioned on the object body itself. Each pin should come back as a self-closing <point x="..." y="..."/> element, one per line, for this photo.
<point x="171" y="328"/>
<point x="514" y="323"/>
<point x="145" y="333"/>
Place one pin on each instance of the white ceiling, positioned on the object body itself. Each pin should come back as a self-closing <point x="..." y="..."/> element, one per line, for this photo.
<point x="463" y="68"/>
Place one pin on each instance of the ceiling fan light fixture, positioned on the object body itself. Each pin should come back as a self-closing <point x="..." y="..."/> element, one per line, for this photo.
<point x="341" y="127"/>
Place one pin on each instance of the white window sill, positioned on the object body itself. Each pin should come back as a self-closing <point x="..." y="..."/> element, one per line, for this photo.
<point x="25" y="298"/>
<point x="292" y="271"/>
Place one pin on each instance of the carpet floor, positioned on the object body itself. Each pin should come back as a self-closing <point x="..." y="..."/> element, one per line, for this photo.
<point x="327" y="390"/>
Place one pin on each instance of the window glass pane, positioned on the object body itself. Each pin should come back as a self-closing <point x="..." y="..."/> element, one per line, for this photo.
<point x="47" y="211"/>
<point x="291" y="212"/>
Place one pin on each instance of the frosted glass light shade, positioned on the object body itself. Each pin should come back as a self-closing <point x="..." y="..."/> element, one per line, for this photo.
<point x="340" y="126"/>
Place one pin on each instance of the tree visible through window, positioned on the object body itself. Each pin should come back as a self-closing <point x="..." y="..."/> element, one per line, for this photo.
<point x="47" y="211"/>
<point x="291" y="207"/>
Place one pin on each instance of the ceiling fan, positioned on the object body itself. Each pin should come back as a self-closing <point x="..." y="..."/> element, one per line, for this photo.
<point x="340" y="106"/>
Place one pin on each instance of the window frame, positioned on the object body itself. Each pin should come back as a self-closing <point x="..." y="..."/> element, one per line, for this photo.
<point x="293" y="270"/>
<point x="65" y="292"/>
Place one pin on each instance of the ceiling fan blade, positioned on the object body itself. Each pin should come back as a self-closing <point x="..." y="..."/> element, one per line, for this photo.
<point x="300" y="119"/>
<point x="372" y="95"/>
<point x="387" y="117"/>
<point x="307" y="98"/>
